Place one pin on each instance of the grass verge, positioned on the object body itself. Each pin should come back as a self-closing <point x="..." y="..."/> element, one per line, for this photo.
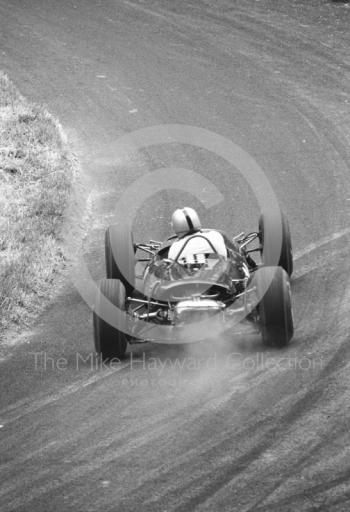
<point x="36" y="172"/>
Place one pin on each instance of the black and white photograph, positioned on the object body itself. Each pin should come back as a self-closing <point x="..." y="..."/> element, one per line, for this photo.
<point x="174" y="255"/>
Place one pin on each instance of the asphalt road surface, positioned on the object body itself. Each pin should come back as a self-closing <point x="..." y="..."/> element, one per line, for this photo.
<point x="227" y="427"/>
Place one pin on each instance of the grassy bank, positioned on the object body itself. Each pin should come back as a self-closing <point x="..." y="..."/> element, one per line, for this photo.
<point x="35" y="178"/>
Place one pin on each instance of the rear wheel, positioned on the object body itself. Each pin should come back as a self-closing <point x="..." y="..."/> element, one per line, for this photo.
<point x="120" y="255"/>
<point x="275" y="239"/>
<point x="275" y="307"/>
<point x="109" y="341"/>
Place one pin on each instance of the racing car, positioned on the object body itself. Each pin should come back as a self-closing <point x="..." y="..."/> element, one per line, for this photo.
<point x="149" y="297"/>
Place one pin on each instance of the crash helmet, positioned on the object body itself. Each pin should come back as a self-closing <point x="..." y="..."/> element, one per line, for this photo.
<point x="185" y="220"/>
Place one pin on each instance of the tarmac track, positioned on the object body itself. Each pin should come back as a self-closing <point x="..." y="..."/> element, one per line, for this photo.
<point x="228" y="427"/>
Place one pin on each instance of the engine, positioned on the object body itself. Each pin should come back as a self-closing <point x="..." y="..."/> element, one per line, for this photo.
<point x="196" y="309"/>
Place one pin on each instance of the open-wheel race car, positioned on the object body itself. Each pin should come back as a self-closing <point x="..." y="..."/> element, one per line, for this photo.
<point x="148" y="295"/>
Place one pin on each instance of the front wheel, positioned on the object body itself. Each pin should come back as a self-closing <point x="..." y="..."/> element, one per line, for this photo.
<point x="275" y="307"/>
<point x="120" y="255"/>
<point x="275" y="240"/>
<point x="110" y="342"/>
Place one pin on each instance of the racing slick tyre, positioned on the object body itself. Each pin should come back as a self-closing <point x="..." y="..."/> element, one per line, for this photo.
<point x="275" y="307"/>
<point x="275" y="240"/>
<point x="120" y="255"/>
<point x="109" y="341"/>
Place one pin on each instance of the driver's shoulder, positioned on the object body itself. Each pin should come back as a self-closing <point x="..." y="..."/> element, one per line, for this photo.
<point x="216" y="234"/>
<point x="164" y="248"/>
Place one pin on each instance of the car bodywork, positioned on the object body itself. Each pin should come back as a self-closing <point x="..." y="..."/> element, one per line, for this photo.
<point x="174" y="294"/>
<point x="173" y="301"/>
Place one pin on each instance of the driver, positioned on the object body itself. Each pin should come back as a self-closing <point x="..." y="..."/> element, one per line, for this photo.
<point x="193" y="244"/>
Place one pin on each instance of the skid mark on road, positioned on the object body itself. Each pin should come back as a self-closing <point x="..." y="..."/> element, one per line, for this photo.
<point x="23" y="408"/>
<point x="301" y="269"/>
<point x="320" y="243"/>
<point x="146" y="10"/>
<point x="152" y="429"/>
